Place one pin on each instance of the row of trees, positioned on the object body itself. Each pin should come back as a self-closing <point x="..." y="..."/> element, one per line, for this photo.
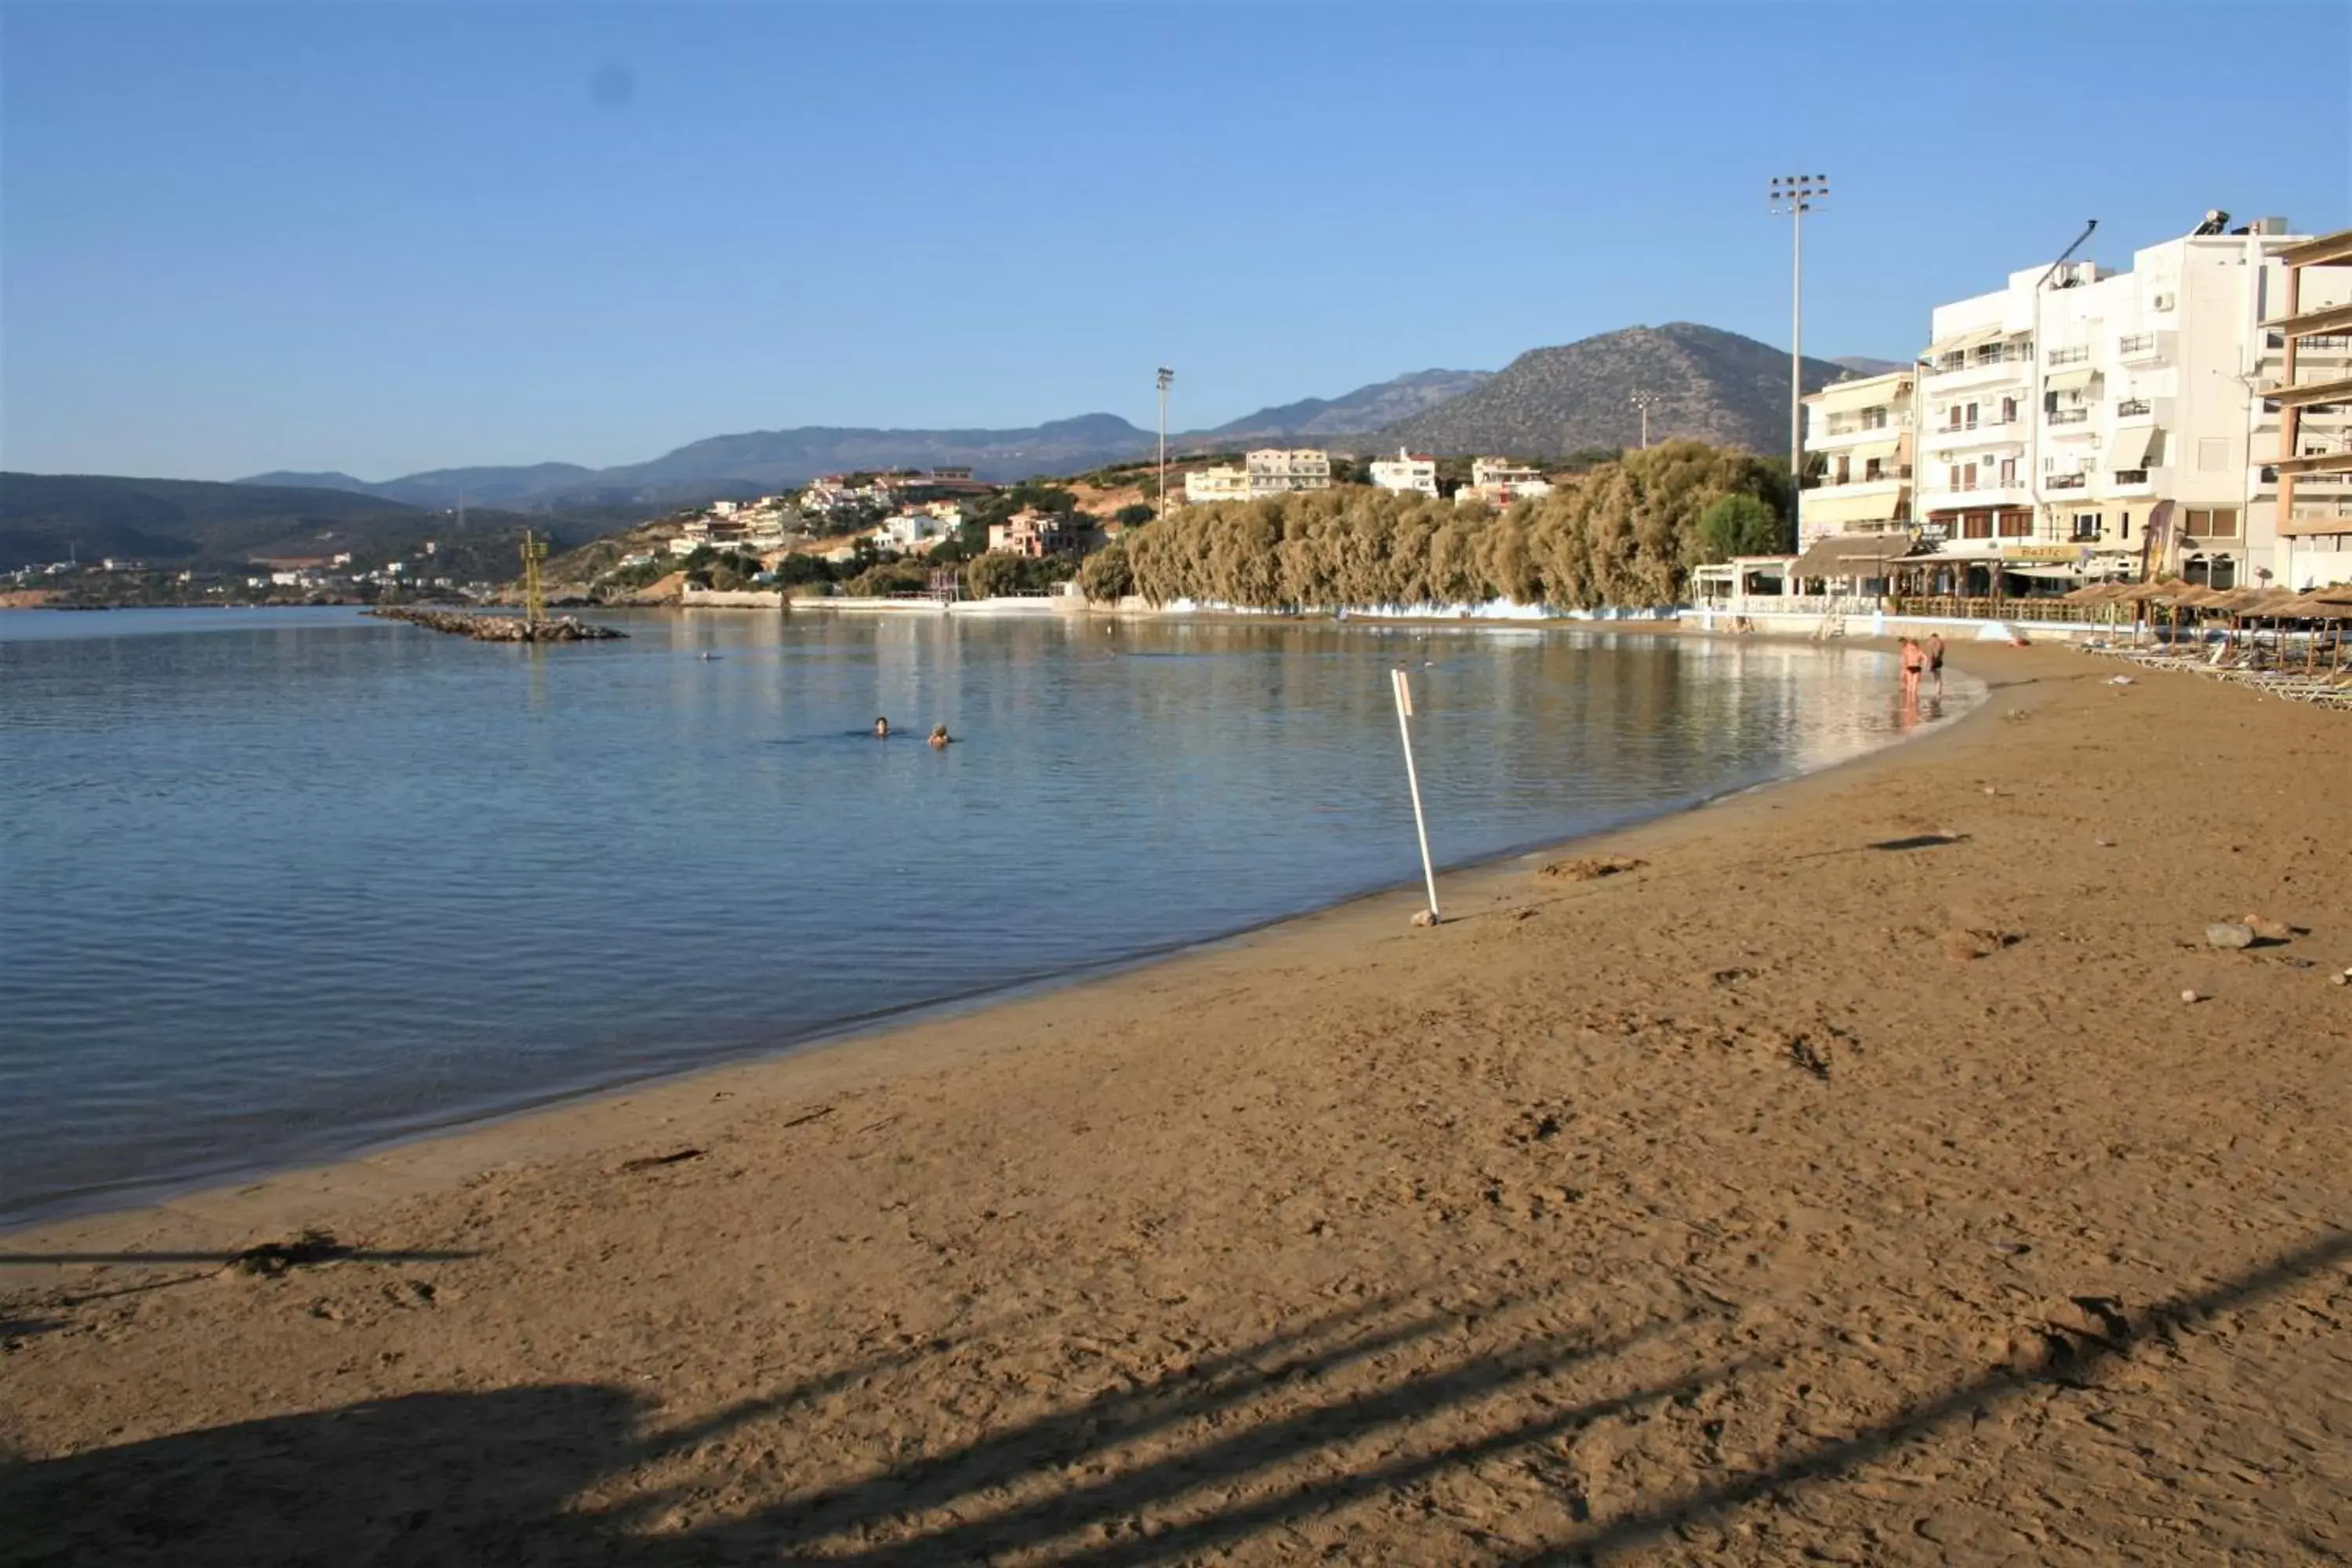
<point x="1623" y="533"/>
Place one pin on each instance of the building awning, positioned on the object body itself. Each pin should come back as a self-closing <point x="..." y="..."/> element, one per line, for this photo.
<point x="1828" y="505"/>
<point x="1866" y="392"/>
<point x="2072" y="380"/>
<point x="1958" y="341"/>
<point x="2130" y="448"/>
<point x="1863" y="451"/>
<point x="1851" y="555"/>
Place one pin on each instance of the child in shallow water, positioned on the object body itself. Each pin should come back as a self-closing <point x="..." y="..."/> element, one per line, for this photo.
<point x="939" y="736"/>
<point x="881" y="729"/>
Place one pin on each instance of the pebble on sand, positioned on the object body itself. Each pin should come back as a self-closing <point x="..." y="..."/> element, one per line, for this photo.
<point x="2190" y="996"/>
<point x="2229" y="933"/>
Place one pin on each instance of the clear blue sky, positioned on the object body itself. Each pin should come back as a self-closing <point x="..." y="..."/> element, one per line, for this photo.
<point x="387" y="237"/>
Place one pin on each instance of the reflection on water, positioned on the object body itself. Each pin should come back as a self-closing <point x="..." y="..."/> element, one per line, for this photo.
<point x="275" y="883"/>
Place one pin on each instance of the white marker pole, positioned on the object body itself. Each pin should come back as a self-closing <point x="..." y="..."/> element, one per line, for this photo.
<point x="1404" y="685"/>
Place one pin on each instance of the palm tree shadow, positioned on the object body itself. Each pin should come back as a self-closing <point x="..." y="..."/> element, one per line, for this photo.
<point x="1233" y="1446"/>
<point x="428" y="1478"/>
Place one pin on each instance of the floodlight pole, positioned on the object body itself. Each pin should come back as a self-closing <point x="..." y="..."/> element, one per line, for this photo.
<point x="1166" y="375"/>
<point x="1795" y="196"/>
<point x="1642" y="400"/>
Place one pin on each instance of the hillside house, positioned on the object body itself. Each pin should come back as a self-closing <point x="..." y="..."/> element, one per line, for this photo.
<point x="1035" y="534"/>
<point x="1406" y="471"/>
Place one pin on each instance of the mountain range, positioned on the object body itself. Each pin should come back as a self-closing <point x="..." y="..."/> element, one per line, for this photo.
<point x="760" y="462"/>
<point x="58" y="517"/>
<point x="1701" y="381"/>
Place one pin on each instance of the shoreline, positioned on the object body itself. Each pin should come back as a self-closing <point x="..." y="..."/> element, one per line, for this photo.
<point x="1848" y="1180"/>
<point x="215" y="1191"/>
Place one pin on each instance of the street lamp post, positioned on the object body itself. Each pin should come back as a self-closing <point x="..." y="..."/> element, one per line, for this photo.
<point x="1642" y="400"/>
<point x="1795" y="196"/>
<point x="1166" y="375"/>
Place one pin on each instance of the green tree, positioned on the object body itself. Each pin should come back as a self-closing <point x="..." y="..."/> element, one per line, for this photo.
<point x="1106" y="576"/>
<point x="1741" y="525"/>
<point x="993" y="575"/>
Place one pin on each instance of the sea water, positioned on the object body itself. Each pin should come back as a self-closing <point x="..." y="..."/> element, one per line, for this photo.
<point x="275" y="885"/>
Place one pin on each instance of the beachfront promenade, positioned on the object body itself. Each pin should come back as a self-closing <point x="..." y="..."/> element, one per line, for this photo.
<point x="1846" y="1180"/>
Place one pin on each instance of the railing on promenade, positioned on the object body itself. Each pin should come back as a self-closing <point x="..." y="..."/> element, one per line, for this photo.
<point x="1989" y="609"/>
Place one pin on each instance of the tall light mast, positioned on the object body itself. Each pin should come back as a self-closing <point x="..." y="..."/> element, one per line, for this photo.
<point x="1642" y="400"/>
<point x="1795" y="196"/>
<point x="1166" y="375"/>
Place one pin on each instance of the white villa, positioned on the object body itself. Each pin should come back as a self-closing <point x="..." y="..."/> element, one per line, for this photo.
<point x="1406" y="471"/>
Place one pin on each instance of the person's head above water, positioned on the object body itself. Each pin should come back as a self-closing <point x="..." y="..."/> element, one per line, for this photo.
<point x="881" y="726"/>
<point x="939" y="736"/>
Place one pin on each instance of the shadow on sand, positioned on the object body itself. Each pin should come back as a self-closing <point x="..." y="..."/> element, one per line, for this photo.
<point x="1235" y="1445"/>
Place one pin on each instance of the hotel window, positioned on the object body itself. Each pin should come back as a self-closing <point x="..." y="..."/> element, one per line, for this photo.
<point x="2007" y="472"/>
<point x="1871" y="470"/>
<point x="2016" y="525"/>
<point x="1977" y="525"/>
<point x="2211" y="522"/>
<point x="2009" y="410"/>
<point x="2086" y="525"/>
<point x="1874" y="419"/>
<point x="2123" y="523"/>
<point x="1972" y="416"/>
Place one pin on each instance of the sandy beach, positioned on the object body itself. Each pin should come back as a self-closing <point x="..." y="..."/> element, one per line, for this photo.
<point x="1843" y="1178"/>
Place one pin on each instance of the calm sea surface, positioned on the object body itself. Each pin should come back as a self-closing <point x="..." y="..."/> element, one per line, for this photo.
<point x="277" y="884"/>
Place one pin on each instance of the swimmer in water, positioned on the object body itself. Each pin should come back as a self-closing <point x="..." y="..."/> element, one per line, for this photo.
<point x="940" y="737"/>
<point x="881" y="729"/>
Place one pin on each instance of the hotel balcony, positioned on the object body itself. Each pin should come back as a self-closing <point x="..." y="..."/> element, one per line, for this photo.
<point x="1837" y="437"/>
<point x="2069" y="423"/>
<point x="1858" y="505"/>
<point x="2131" y="484"/>
<point x="1984" y="433"/>
<point x="1943" y="498"/>
<point x="2144" y="348"/>
<point x="2007" y="365"/>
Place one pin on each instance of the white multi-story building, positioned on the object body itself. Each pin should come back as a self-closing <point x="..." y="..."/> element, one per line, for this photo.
<point x="1274" y="470"/>
<point x="2087" y="420"/>
<point x="2308" y="375"/>
<point x="1501" y="473"/>
<point x="1222" y="483"/>
<point x="1498" y="481"/>
<point x="1858" y="435"/>
<point x="915" y="533"/>
<point x="1406" y="471"/>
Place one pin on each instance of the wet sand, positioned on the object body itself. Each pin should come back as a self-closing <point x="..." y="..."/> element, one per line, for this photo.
<point x="1848" y="1181"/>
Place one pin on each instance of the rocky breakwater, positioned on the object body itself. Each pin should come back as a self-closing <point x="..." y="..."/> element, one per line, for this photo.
<point x="499" y="629"/>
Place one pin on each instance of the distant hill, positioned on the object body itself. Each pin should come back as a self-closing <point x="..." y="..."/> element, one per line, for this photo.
<point x="54" y="517"/>
<point x="1709" y="385"/>
<point x="1864" y="365"/>
<point x="1365" y="409"/>
<point x="762" y="462"/>
<point x="759" y="462"/>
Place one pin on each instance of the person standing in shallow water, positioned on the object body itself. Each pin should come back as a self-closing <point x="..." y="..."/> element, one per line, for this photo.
<point x="1915" y="660"/>
<point x="881" y="729"/>
<point x="1936" y="659"/>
